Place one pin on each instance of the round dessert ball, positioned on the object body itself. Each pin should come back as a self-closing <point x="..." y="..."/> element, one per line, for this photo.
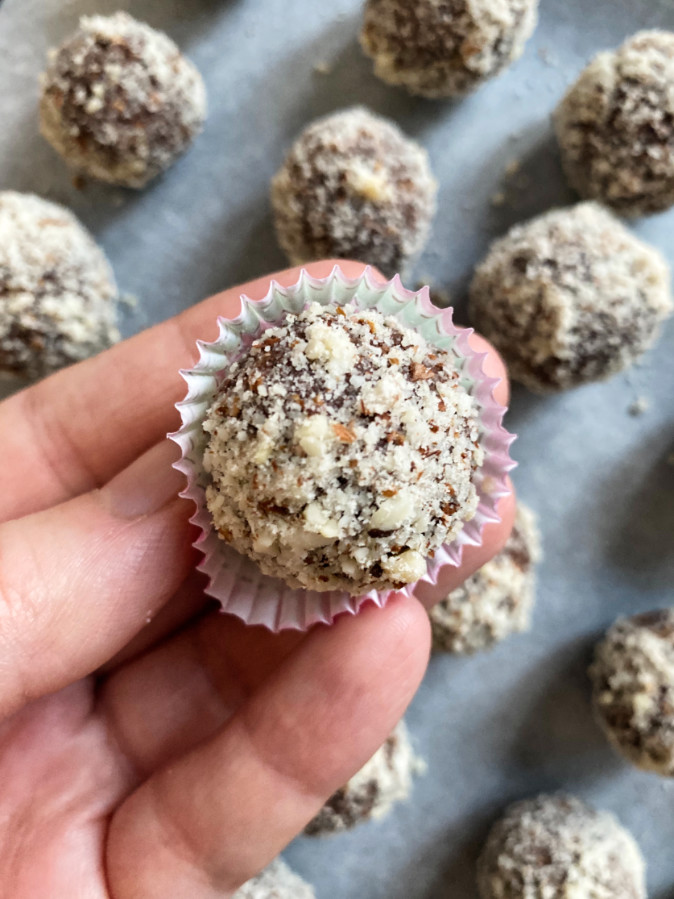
<point x="353" y="186"/>
<point x="439" y="49"/>
<point x="556" y="847"/>
<point x="328" y="454"/>
<point x="119" y="101"/>
<point x="276" y="881"/>
<point x="497" y="600"/>
<point x="633" y="679"/>
<point x="371" y="793"/>
<point x="57" y="291"/>
<point x="615" y="126"/>
<point x="570" y="297"/>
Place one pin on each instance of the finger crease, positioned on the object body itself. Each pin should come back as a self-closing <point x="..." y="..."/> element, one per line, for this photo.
<point x="266" y="760"/>
<point x="58" y="451"/>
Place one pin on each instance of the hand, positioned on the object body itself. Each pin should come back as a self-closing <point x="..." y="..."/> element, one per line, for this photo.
<point x="149" y="746"/>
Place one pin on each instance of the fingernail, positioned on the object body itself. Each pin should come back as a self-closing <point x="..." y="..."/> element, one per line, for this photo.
<point x="146" y="485"/>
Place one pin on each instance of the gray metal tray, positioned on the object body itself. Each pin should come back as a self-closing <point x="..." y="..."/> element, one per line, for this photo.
<point x="517" y="720"/>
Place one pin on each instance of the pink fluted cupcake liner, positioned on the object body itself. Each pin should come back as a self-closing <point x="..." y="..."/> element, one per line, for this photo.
<point x="235" y="580"/>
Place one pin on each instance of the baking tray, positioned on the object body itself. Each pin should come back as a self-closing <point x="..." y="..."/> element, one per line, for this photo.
<point x="517" y="720"/>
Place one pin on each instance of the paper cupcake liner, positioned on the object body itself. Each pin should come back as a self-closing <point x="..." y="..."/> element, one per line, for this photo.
<point x="236" y="581"/>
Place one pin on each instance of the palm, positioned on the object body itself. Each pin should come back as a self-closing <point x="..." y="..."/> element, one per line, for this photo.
<point x="69" y="761"/>
<point x="200" y="747"/>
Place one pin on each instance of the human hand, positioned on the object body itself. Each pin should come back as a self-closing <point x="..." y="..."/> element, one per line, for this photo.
<point x="149" y="746"/>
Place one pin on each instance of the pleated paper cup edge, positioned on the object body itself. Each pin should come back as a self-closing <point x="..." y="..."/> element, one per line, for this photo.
<point x="235" y="581"/>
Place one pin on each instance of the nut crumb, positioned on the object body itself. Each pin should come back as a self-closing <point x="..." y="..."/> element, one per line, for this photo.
<point x="421" y="372"/>
<point x="640" y="405"/>
<point x="58" y="295"/>
<point x="512" y="168"/>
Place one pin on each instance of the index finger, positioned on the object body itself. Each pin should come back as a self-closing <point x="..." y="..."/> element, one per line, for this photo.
<point x="78" y="428"/>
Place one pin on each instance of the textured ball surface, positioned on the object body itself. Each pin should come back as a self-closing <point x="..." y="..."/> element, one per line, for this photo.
<point x="353" y="186"/>
<point x="371" y="793"/>
<point x="119" y="101"/>
<point x="556" y="847"/>
<point x="633" y="678"/>
<point x="497" y="600"/>
<point x="615" y="126"/>
<point x="57" y="291"/>
<point x="570" y="297"/>
<point x="342" y="449"/>
<point x="440" y="49"/>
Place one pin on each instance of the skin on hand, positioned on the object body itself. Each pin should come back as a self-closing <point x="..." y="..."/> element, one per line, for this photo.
<point x="151" y="777"/>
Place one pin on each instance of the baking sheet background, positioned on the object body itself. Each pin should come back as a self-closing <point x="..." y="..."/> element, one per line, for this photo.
<point x="517" y="720"/>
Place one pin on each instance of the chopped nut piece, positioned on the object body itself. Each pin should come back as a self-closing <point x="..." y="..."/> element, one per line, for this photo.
<point x="421" y="372"/>
<point x="343" y="433"/>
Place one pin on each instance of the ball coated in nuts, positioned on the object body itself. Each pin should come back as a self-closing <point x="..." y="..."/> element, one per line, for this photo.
<point x="633" y="679"/>
<point x="557" y="847"/>
<point x="615" y="126"/>
<point x="119" y="101"/>
<point x="570" y="297"/>
<point x="57" y="291"/>
<point x="353" y="186"/>
<point x="496" y="601"/>
<point x="439" y="49"/>
<point x="328" y="456"/>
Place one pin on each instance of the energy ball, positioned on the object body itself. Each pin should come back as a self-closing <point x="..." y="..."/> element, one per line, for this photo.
<point x="633" y="679"/>
<point x="556" y="847"/>
<point x="570" y="297"/>
<point x="497" y="600"/>
<point x="329" y="455"/>
<point x="371" y="793"/>
<point x="57" y="291"/>
<point x="277" y="881"/>
<point x="119" y="101"/>
<point x="353" y="186"/>
<point x="615" y="126"/>
<point x="440" y="49"/>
